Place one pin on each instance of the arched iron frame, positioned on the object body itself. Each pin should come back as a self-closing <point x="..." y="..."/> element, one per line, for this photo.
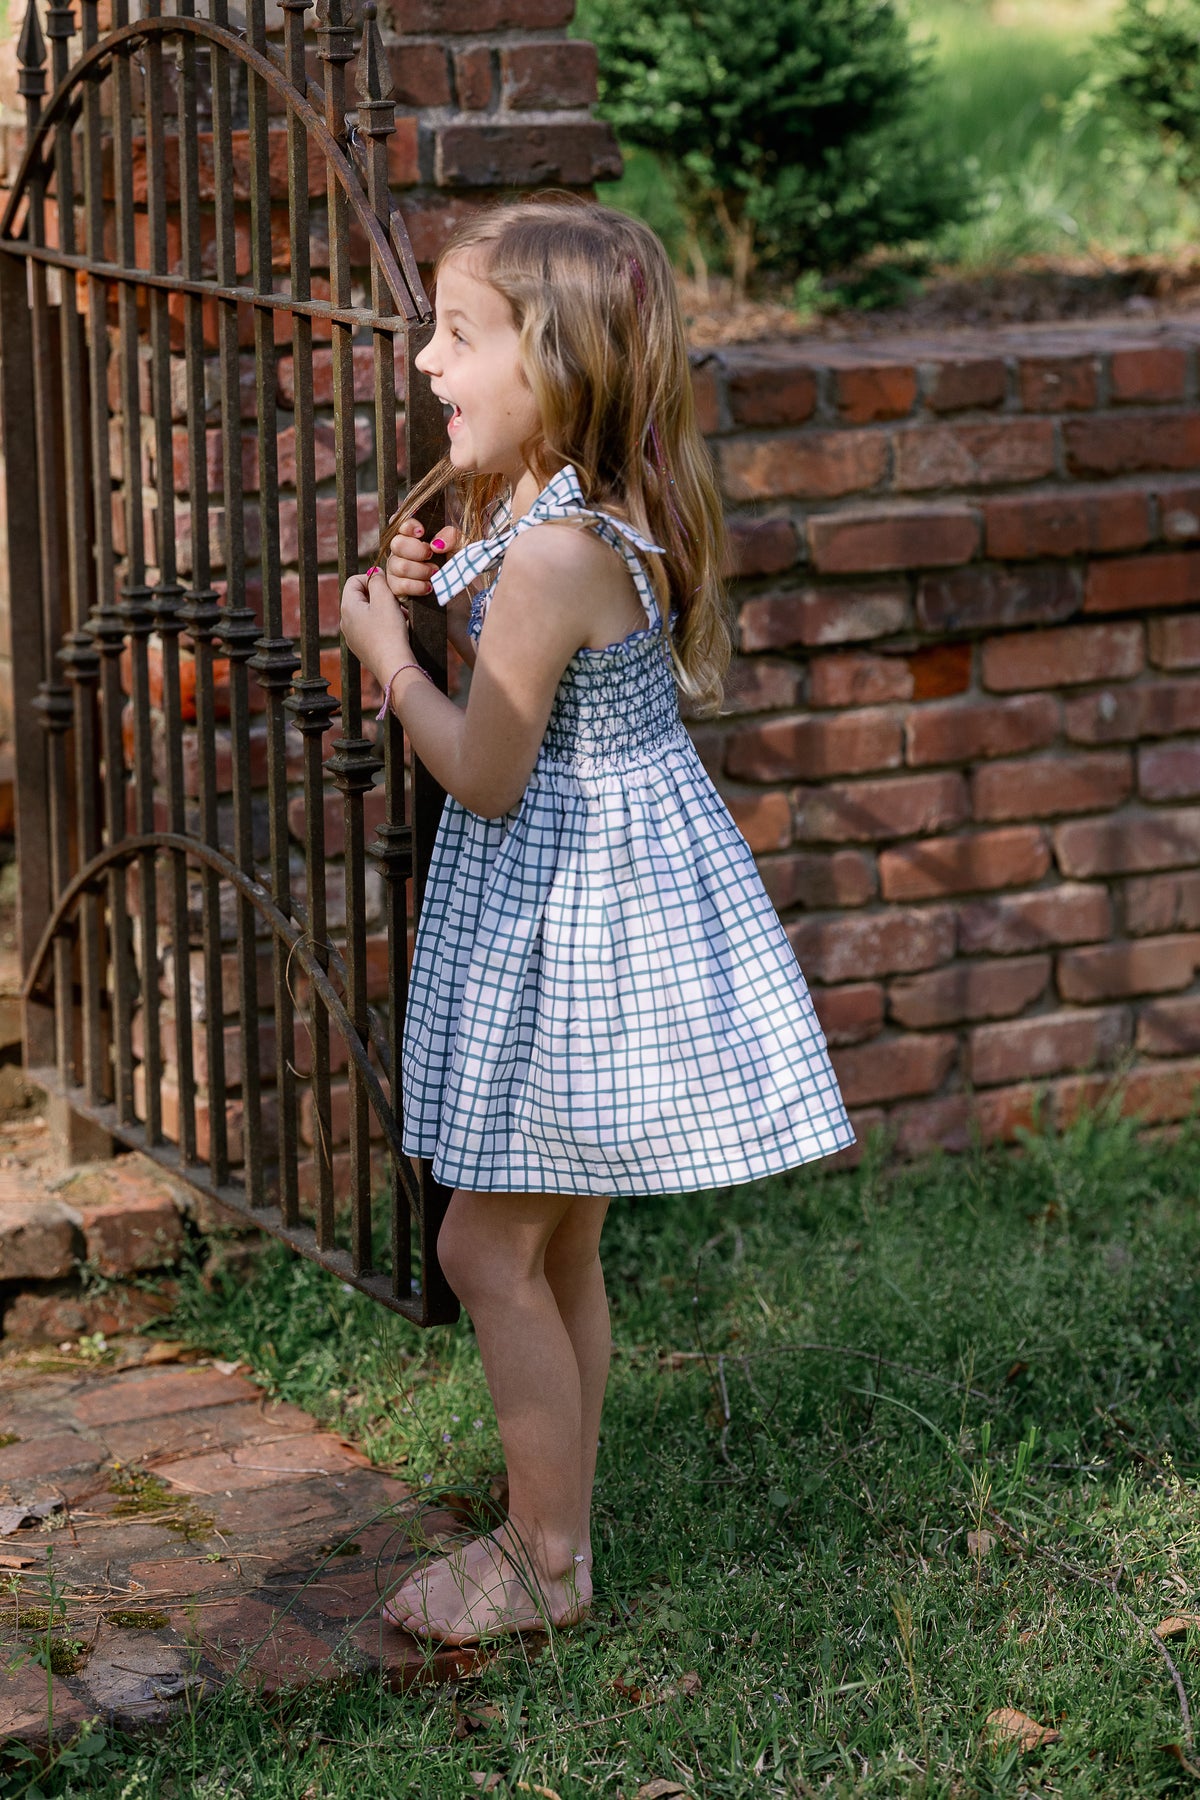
<point x="92" y="817"/>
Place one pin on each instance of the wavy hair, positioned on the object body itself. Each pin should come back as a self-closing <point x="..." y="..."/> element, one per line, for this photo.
<point x="602" y="346"/>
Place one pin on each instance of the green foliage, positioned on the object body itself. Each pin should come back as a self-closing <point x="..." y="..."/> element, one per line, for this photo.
<point x="1150" y="78"/>
<point x="792" y="133"/>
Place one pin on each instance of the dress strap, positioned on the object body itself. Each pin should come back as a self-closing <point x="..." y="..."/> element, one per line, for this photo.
<point x="561" y="498"/>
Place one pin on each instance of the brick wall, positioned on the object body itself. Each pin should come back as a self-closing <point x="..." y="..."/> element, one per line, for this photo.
<point x="964" y="727"/>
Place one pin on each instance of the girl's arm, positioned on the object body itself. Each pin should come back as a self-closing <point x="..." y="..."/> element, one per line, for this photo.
<point x="559" y="587"/>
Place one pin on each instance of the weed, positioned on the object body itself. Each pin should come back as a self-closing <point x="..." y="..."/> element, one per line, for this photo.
<point x="141" y="1492"/>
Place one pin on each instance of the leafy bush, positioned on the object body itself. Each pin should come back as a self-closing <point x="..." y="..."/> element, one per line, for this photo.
<point x="1150" y="78"/>
<point x="792" y="131"/>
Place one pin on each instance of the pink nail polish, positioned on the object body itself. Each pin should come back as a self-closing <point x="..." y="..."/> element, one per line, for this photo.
<point x="373" y="570"/>
<point x="438" y="544"/>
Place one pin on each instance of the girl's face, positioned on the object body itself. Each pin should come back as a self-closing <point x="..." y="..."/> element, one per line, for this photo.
<point x="473" y="366"/>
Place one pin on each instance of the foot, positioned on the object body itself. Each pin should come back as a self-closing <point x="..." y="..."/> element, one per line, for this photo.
<point x="480" y="1590"/>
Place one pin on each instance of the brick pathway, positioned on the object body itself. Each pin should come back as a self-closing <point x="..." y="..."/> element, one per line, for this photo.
<point x="186" y="1531"/>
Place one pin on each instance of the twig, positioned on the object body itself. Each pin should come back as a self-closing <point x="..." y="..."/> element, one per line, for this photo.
<point x="1020" y="1542"/>
<point x="886" y="1362"/>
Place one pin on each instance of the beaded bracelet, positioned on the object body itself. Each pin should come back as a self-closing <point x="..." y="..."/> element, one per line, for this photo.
<point x="387" y="692"/>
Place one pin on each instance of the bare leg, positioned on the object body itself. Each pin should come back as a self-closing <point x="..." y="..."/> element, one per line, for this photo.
<point x="535" y="1570"/>
<point x="577" y="1282"/>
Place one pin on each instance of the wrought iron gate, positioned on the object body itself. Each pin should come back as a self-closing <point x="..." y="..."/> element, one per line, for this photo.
<point x="209" y="310"/>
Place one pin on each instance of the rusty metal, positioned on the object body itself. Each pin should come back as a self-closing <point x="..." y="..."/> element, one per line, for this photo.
<point x="200" y="932"/>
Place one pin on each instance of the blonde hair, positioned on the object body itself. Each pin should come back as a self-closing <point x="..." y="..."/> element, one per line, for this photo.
<point x="602" y="347"/>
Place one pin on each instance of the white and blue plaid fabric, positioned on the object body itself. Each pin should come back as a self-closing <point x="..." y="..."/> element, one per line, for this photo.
<point x="602" y="998"/>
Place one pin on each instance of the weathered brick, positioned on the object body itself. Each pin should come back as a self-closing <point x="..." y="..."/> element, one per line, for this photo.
<point x="965" y="382"/>
<point x="893" y="538"/>
<point x="764" y="820"/>
<point x="1128" y="583"/>
<point x="816" y="616"/>
<point x="1174" y="643"/>
<point x="879" y="390"/>
<point x="850" y="1015"/>
<point x="755" y="685"/>
<point x="37" y="1238"/>
<point x="706" y="396"/>
<point x="322" y="376"/>
<point x="984" y="990"/>
<point x="1179" y="510"/>
<point x="1042" y="788"/>
<point x="1070" y="522"/>
<point x="940" y="456"/>
<point x="1109" y="717"/>
<point x="808" y="748"/>
<point x="1058" y="383"/>
<point x="805" y="465"/>
<point x="940" y="670"/>
<point x="443" y="17"/>
<point x="1148" y="372"/>
<point x="1113" y="971"/>
<point x="965" y="730"/>
<point x="982" y="598"/>
<point x="1010" y="923"/>
<point x="1120" y="443"/>
<point x="863" y="946"/>
<point x="1129" y="843"/>
<point x="420" y="73"/>
<point x="547" y="77"/>
<point x="403" y="160"/>
<point x="769" y="389"/>
<point x="953" y="1122"/>
<point x="526" y="154"/>
<point x="1154" y="1093"/>
<point x="845" y="878"/>
<point x="1163" y="903"/>
<point x="858" y="679"/>
<point x="1011" y="857"/>
<point x="1049" y="1044"/>
<point x="473" y="77"/>
<point x="860" y="811"/>
<point x="1170" y="1027"/>
<point x="1068" y="656"/>
<point x="761" y="546"/>
<point x="894" y="1068"/>
<point x="1169" y="771"/>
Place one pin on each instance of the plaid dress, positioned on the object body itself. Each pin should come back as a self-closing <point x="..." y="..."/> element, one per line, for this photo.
<point x="602" y="998"/>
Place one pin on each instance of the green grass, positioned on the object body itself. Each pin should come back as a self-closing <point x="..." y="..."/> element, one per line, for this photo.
<point x="1014" y="1338"/>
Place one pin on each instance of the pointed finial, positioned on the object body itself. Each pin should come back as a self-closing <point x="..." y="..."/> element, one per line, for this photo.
<point x="373" y="84"/>
<point x="31" y="53"/>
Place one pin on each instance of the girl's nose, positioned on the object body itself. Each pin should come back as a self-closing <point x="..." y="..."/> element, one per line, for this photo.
<point x="423" y="361"/>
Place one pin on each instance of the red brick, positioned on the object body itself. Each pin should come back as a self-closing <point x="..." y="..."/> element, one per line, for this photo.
<point x="755" y="685"/>
<point x="858" y="679"/>
<point x="1058" y="383"/>
<point x="846" y="878"/>
<point x="764" y="820"/>
<point x="403" y="155"/>
<point x="954" y="1122"/>
<point x="1175" y="643"/>
<point x="1130" y="843"/>
<point x="420" y="75"/>
<point x="895" y="1068"/>
<point x="869" y="391"/>
<point x="431" y="217"/>
<point x="526" y="155"/>
<point x="1170" y="1027"/>
<point x="1162" y="903"/>
<point x="1154" y="1093"/>
<point x="1050" y="1044"/>
<point x="850" y="1015"/>
<point x="705" y="395"/>
<point x="1169" y="772"/>
<point x="322" y="372"/>
<point x="859" y="811"/>
<point x="761" y="546"/>
<point x="439" y="17"/>
<point x="1170" y="578"/>
<point x="940" y="670"/>
<point x="1047" y="786"/>
<point x="1011" y="857"/>
<point x="1067" y="657"/>
<point x="987" y="990"/>
<point x="1179" y="509"/>
<point x="808" y="748"/>
<point x="1114" y="971"/>
<point x="1009" y="923"/>
<point x="867" y="945"/>
<point x="766" y="389"/>
<point x="965" y="730"/>
<point x="815" y="616"/>
<point x="802" y="465"/>
<point x="1149" y="372"/>
<point x="1106" y="718"/>
<point x="1070" y="522"/>
<point x="548" y="77"/>
<point x="37" y="1238"/>
<point x="893" y="538"/>
<point x="473" y="77"/>
<point x="939" y="456"/>
<point x="979" y="599"/>
<point x="956" y="386"/>
<point x="1119" y="443"/>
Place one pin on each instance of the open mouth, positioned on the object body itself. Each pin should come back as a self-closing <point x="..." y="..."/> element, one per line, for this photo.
<point x="451" y="413"/>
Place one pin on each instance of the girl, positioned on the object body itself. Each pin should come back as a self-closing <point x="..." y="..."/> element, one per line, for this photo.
<point x="603" y="1001"/>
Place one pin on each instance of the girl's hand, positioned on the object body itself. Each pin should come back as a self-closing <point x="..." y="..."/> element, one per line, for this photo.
<point x="408" y="564"/>
<point x="374" y="625"/>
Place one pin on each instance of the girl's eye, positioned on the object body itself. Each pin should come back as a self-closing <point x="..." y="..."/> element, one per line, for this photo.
<point x="457" y="336"/>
